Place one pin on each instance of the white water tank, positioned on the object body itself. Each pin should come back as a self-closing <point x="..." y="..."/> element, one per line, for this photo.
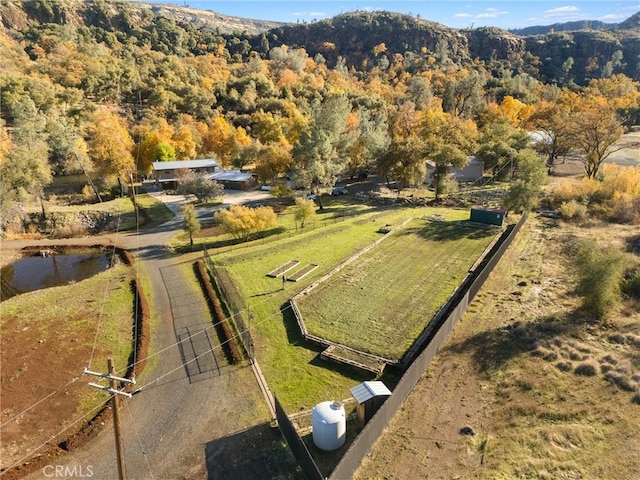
<point x="329" y="425"/>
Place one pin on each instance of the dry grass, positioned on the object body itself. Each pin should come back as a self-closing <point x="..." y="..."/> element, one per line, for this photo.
<point x="514" y="370"/>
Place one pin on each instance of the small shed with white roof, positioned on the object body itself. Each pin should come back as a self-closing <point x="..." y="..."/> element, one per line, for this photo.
<point x="370" y="395"/>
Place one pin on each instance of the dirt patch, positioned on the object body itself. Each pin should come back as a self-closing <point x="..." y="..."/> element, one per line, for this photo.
<point x="508" y="372"/>
<point x="42" y="367"/>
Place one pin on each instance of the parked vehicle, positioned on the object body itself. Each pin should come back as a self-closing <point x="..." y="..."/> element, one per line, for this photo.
<point x="340" y="191"/>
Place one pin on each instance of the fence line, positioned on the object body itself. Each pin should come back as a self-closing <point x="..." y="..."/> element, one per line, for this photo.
<point x="438" y="333"/>
<point x="363" y="443"/>
<point x="296" y="444"/>
<point x="240" y="313"/>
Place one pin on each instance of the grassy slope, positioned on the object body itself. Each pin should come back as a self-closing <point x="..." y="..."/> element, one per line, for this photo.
<point x="498" y="373"/>
<point x="292" y="367"/>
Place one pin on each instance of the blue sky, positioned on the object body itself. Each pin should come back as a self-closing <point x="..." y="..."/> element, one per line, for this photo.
<point x="453" y="13"/>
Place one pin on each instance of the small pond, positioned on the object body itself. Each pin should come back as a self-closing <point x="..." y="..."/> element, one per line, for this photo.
<point x="47" y="268"/>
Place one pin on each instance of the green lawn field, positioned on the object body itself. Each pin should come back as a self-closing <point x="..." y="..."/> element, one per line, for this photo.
<point x="380" y="303"/>
<point x="291" y="365"/>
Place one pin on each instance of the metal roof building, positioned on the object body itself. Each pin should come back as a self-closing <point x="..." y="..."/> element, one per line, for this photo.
<point x="370" y="396"/>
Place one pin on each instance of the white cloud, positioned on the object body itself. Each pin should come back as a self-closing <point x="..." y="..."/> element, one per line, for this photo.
<point x="462" y="15"/>
<point x="613" y="17"/>
<point x="561" y="11"/>
<point x="491" y="13"/>
<point x="308" y="14"/>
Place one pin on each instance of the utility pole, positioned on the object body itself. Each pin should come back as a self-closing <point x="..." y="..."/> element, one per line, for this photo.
<point x="115" y="405"/>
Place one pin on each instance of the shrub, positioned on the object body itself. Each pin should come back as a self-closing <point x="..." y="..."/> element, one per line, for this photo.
<point x="587" y="369"/>
<point x="625" y="208"/>
<point x="617" y="338"/>
<point x="600" y="274"/>
<point x="636" y="398"/>
<point x="242" y="222"/>
<point x="620" y="381"/>
<point x="281" y="191"/>
<point x="564" y="366"/>
<point x="581" y="192"/>
<point x="572" y="210"/>
<point x="631" y="282"/>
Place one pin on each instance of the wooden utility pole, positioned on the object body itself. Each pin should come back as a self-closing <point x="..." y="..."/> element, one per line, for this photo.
<point x="115" y="405"/>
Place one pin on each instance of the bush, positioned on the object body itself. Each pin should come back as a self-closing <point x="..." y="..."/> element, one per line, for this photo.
<point x="587" y="369"/>
<point x="625" y="208"/>
<point x="620" y="381"/>
<point x="631" y="282"/>
<point x="600" y="275"/>
<point x="572" y="210"/>
<point x="280" y="191"/>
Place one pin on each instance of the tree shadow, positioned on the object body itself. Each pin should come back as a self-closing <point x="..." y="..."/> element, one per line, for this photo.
<point x="456" y="230"/>
<point x="257" y="453"/>
<point x="492" y="349"/>
<point x="633" y="245"/>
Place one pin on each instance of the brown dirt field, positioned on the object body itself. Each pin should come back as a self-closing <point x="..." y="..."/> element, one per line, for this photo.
<point x="35" y="367"/>
<point x="42" y="385"/>
<point x="509" y="372"/>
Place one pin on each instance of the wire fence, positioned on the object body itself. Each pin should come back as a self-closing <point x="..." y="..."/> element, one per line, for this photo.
<point x="240" y="314"/>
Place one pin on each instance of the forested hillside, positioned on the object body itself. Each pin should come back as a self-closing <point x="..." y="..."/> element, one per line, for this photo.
<point x="103" y="89"/>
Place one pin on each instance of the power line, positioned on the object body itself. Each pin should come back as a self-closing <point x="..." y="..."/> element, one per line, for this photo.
<point x="144" y="454"/>
<point x="28" y="455"/>
<point x="104" y="297"/>
<point x="38" y="402"/>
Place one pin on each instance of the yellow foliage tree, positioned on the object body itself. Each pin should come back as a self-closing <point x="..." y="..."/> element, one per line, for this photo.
<point x="515" y="110"/>
<point x="220" y="139"/>
<point x="242" y="222"/>
<point x="111" y="145"/>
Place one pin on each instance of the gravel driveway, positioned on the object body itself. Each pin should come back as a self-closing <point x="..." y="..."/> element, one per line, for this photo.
<point x="180" y="410"/>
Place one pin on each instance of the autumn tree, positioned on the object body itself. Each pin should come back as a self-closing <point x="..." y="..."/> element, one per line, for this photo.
<point x="594" y="129"/>
<point x="243" y="222"/>
<point x="304" y="210"/>
<point x="191" y="224"/>
<point x="110" y="147"/>
<point x="551" y="120"/>
<point x="220" y="139"/>
<point x="448" y="141"/>
<point x="273" y="160"/>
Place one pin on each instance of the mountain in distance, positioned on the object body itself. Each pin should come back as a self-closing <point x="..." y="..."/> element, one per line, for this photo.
<point x="122" y="15"/>
<point x="563" y="27"/>
<point x="360" y="39"/>
<point x="631" y="23"/>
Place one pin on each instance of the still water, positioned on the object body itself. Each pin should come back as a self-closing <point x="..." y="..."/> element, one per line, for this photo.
<point x="37" y="272"/>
